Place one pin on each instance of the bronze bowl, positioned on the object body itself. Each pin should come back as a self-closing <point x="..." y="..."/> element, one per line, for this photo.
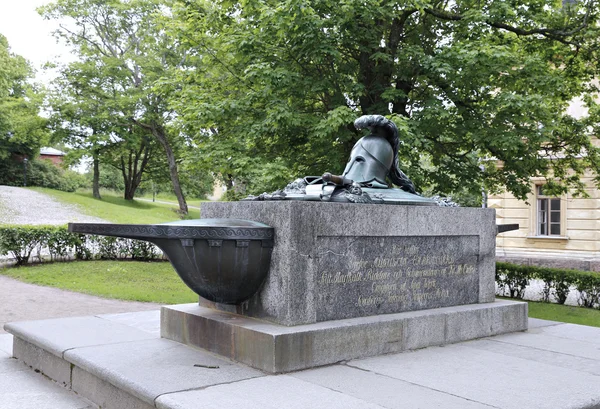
<point x="222" y="260"/>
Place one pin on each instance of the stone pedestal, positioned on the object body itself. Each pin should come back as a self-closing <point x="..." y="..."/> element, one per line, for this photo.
<point x="334" y="260"/>
<point x="349" y="281"/>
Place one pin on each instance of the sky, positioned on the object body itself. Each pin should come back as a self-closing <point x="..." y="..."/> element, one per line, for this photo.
<point x="30" y="36"/>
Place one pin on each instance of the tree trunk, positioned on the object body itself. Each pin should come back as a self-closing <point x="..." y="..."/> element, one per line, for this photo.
<point x="96" y="180"/>
<point x="159" y="134"/>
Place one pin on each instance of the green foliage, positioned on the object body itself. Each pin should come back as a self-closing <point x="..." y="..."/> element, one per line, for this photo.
<point x="468" y="84"/>
<point x="21" y="241"/>
<point x="107" y="103"/>
<point x="41" y="173"/>
<point x="512" y="280"/>
<point x="22" y="130"/>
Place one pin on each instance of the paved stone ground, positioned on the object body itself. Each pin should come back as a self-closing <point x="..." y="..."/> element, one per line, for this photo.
<point x="20" y="387"/>
<point x="22" y="302"/>
<point x="24" y="206"/>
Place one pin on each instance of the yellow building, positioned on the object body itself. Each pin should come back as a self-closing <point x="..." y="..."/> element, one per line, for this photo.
<point x="553" y="231"/>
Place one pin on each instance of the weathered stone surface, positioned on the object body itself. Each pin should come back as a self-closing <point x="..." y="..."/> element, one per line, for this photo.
<point x="59" y="334"/>
<point x="564" y="359"/>
<point x="276" y="348"/>
<point x="390" y="393"/>
<point x="24" y="389"/>
<point x="146" y="369"/>
<point x="148" y="321"/>
<point x="269" y="392"/>
<point x="6" y="344"/>
<point x="292" y="294"/>
<point x="47" y="363"/>
<point x="361" y="276"/>
<point x="104" y="394"/>
<point x="495" y="379"/>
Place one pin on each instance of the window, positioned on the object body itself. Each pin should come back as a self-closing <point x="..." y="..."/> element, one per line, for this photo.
<point x="548" y="214"/>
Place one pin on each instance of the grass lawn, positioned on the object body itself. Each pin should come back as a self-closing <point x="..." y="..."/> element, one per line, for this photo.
<point x="116" y="209"/>
<point x="562" y="313"/>
<point x="165" y="197"/>
<point x="124" y="280"/>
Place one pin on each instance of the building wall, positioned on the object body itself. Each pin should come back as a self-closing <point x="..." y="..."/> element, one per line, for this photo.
<point x="579" y="243"/>
<point x="55" y="159"/>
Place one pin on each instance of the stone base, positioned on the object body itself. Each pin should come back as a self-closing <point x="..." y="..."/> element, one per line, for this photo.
<point x="276" y="348"/>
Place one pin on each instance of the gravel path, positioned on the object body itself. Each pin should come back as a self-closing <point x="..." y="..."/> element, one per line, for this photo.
<point x="24" y="206"/>
<point x="23" y="302"/>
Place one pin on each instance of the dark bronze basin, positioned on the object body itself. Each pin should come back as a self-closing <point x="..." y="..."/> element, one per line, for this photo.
<point x="222" y="260"/>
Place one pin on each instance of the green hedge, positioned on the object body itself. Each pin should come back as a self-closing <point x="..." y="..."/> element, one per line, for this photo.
<point x="25" y="243"/>
<point x="512" y="279"/>
<point x="41" y="173"/>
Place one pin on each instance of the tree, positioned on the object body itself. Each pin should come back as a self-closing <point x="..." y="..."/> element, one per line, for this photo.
<point x="22" y="130"/>
<point x="469" y="83"/>
<point x="132" y="53"/>
<point x="79" y="118"/>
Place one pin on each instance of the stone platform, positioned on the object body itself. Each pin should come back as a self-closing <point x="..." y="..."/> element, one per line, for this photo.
<point x="334" y="261"/>
<point x="119" y="361"/>
<point x="275" y="348"/>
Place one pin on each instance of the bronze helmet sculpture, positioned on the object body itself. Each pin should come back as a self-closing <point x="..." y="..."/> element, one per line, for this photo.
<point x="375" y="156"/>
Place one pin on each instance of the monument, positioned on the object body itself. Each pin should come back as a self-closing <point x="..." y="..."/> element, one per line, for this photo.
<point x="333" y="268"/>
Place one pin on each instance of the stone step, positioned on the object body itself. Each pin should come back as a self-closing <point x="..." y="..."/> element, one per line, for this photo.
<point x="119" y="361"/>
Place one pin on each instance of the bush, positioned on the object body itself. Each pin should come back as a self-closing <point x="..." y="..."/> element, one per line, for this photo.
<point x="40" y="173"/>
<point x="21" y="242"/>
<point x="512" y="280"/>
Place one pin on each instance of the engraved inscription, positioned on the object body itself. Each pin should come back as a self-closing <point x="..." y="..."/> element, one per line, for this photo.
<point x="360" y="276"/>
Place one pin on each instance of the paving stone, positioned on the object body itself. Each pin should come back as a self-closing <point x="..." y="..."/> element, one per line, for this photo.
<point x="538" y="323"/>
<point x="272" y="392"/>
<point x="9" y="365"/>
<point x="41" y="360"/>
<point x="549" y="342"/>
<point x="148" y="321"/>
<point x="561" y="360"/>
<point x="390" y="393"/>
<point x="501" y="381"/>
<point x="58" y="335"/>
<point x="573" y="331"/>
<point x="105" y="395"/>
<point x="149" y="368"/>
<point x="6" y="341"/>
<point x="25" y="389"/>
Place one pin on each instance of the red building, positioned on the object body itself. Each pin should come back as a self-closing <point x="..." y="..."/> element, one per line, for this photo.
<point x="53" y="155"/>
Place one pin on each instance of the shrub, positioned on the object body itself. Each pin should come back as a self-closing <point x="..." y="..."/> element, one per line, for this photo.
<point x="40" y="173"/>
<point x="21" y="242"/>
<point x="512" y="280"/>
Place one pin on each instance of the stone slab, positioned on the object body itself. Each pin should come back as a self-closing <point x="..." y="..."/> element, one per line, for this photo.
<point x="148" y="321"/>
<point x="22" y="388"/>
<point x="49" y="364"/>
<point x="6" y="344"/>
<point x="474" y="372"/>
<point x="277" y="349"/>
<point x="146" y="369"/>
<point x="314" y="241"/>
<point x="538" y="323"/>
<point x="355" y="278"/>
<point x="60" y="334"/>
<point x="104" y="394"/>
<point x="269" y="392"/>
<point x="390" y="393"/>
<point x="558" y="359"/>
<point x="574" y="332"/>
<point x="495" y="379"/>
<point x="547" y="342"/>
